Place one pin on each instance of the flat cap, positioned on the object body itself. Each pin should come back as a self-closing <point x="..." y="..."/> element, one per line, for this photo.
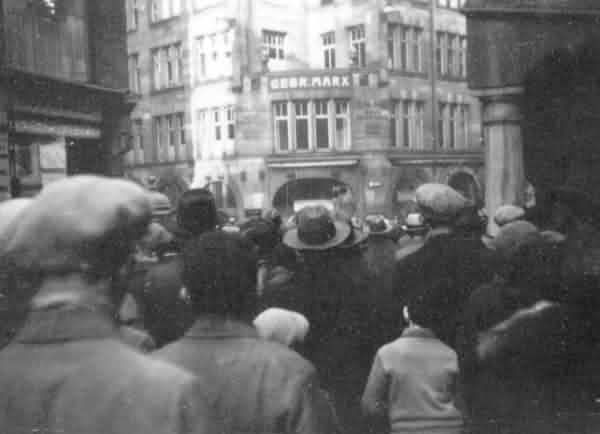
<point x="80" y="223"/>
<point x="440" y="202"/>
<point x="508" y="213"/>
<point x="515" y="235"/>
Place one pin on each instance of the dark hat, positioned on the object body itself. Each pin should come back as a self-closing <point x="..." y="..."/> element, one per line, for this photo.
<point x="508" y="213"/>
<point x="196" y="212"/>
<point x="80" y="223"/>
<point x="262" y="232"/>
<point x="378" y="225"/>
<point x="440" y="202"/>
<point x="316" y="230"/>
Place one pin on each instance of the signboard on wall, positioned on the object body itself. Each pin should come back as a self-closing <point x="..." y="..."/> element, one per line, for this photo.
<point x="321" y="81"/>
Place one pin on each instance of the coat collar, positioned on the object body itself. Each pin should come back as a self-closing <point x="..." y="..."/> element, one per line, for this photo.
<point x="66" y="323"/>
<point x="214" y="327"/>
<point x="418" y="332"/>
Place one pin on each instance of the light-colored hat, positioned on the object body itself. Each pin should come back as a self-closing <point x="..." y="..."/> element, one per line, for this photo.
<point x="414" y="222"/>
<point x="440" y="202"/>
<point x="316" y="230"/>
<point x="80" y="223"/>
<point x="513" y="236"/>
<point x="507" y="214"/>
<point x="281" y="325"/>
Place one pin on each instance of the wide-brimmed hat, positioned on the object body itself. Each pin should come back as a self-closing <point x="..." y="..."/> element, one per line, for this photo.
<point x="414" y="223"/>
<point x="316" y="229"/>
<point x="80" y="223"/>
<point x="508" y="213"/>
<point x="440" y="202"/>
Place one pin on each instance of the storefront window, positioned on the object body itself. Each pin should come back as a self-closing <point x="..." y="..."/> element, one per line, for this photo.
<point x="322" y="119"/>
<point x="301" y="113"/>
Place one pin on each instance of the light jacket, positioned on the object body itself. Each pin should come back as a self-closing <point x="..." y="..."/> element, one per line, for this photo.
<point x="258" y="385"/>
<point x="68" y="372"/>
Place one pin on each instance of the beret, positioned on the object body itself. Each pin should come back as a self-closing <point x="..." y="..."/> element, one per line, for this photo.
<point x="282" y="325"/>
<point x="508" y="213"/>
<point x="78" y="223"/>
<point x="440" y="202"/>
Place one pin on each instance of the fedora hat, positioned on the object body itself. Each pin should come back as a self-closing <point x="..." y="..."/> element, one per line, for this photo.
<point x="316" y="229"/>
<point x="196" y="213"/>
<point x="80" y="223"/>
<point x="440" y="202"/>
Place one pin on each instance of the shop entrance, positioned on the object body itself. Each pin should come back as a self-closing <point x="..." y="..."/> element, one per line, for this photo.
<point x="85" y="156"/>
<point x="325" y="191"/>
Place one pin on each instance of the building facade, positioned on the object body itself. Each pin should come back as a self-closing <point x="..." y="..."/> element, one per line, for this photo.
<point x="64" y="104"/>
<point x="275" y="103"/>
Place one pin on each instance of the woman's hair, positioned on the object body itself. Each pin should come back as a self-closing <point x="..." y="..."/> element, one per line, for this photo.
<point x="220" y="274"/>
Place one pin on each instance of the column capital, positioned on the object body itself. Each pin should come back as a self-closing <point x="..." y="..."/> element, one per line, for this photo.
<point x="501" y="106"/>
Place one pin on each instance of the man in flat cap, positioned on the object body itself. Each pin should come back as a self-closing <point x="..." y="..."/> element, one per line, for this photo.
<point x="446" y="256"/>
<point x="67" y="369"/>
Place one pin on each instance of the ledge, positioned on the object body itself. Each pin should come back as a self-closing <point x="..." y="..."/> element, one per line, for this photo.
<point x="537" y="7"/>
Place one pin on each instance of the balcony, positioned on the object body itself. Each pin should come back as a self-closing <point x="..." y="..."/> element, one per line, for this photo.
<point x="51" y="45"/>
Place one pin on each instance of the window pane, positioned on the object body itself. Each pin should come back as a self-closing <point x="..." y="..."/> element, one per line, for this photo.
<point x="302" y="134"/>
<point x="231" y="131"/>
<point x="341" y="133"/>
<point x="322" y="133"/>
<point x="282" y="135"/>
<point x="217" y="132"/>
<point x="393" y="132"/>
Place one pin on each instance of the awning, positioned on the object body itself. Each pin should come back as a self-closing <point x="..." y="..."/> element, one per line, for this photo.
<point x="57" y="129"/>
<point x="315" y="163"/>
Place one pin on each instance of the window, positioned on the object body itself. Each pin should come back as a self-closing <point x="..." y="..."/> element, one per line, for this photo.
<point x="169" y="136"/>
<point x="167" y="65"/>
<point x="451" y="55"/>
<point x="213" y="55"/>
<point x="301" y="115"/>
<point x="311" y="125"/>
<point x="453" y="125"/>
<point x="407" y="124"/>
<point x="164" y="9"/>
<point x="230" y="123"/>
<point x="274" y="43"/>
<point x="405" y="48"/>
<point x="215" y="131"/>
<point x="342" y="122"/>
<point x="138" y="141"/>
<point x="281" y="125"/>
<point x="452" y="4"/>
<point x="322" y="124"/>
<point x="134" y="74"/>
<point x="328" y="50"/>
<point x="133" y="14"/>
<point x="357" y="45"/>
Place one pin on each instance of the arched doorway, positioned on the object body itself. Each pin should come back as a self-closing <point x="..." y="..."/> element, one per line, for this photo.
<point x="465" y="184"/>
<point x="327" y="191"/>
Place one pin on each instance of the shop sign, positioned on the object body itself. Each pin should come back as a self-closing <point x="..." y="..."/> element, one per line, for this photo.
<point x="326" y="81"/>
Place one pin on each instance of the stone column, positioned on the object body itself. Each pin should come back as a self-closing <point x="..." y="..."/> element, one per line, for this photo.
<point x="504" y="174"/>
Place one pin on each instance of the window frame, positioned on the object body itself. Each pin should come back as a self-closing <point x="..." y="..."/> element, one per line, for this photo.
<point x="358" y="39"/>
<point x="328" y="47"/>
<point x="274" y="40"/>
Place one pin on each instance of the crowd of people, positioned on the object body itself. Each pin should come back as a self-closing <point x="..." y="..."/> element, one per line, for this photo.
<point x="124" y="314"/>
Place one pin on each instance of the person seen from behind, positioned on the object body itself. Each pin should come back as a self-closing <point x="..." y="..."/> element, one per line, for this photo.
<point x="259" y="386"/>
<point x="412" y="386"/>
<point x="67" y="370"/>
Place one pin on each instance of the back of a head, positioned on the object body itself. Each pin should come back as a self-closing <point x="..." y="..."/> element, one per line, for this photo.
<point x="197" y="211"/>
<point x="429" y="307"/>
<point x="220" y="274"/>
